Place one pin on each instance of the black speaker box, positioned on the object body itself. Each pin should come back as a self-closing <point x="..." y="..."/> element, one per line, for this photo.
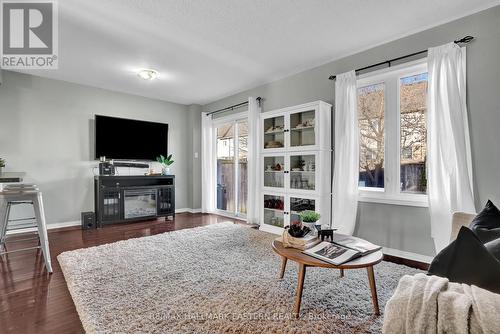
<point x="88" y="221"/>
<point x="105" y="168"/>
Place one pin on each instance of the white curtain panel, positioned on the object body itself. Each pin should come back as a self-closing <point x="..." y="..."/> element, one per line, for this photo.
<point x="253" y="167"/>
<point x="208" y="186"/>
<point x="346" y="170"/>
<point x="449" y="176"/>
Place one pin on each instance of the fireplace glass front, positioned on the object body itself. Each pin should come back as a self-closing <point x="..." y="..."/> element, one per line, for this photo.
<point x="139" y="203"/>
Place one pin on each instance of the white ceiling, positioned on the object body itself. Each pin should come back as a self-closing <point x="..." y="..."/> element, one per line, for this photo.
<point x="209" y="49"/>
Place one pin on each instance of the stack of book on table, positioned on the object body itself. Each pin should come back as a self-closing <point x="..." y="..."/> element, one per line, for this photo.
<point x="343" y="248"/>
<point x="303" y="243"/>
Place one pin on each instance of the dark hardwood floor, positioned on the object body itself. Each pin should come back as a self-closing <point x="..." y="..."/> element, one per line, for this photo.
<point x="32" y="301"/>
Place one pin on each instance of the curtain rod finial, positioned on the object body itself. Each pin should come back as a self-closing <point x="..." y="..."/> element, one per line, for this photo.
<point x="259" y="101"/>
<point x="464" y="40"/>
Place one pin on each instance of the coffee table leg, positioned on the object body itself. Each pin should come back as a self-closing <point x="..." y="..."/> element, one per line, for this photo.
<point x="283" y="266"/>
<point x="300" y="286"/>
<point x="341" y="272"/>
<point x="373" y="288"/>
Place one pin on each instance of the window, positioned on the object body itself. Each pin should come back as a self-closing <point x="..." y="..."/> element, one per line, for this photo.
<point x="392" y="116"/>
<point x="371" y="118"/>
<point x="413" y="133"/>
<point x="232" y="152"/>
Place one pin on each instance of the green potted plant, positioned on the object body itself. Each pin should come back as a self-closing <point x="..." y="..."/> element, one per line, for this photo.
<point x="310" y="218"/>
<point x="2" y="165"/>
<point x="166" y="163"/>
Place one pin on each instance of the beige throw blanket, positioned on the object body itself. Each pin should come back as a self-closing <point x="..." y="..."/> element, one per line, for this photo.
<point x="431" y="304"/>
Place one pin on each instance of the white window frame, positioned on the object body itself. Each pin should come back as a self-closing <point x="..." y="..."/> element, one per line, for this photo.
<point x="391" y="193"/>
<point x="235" y="119"/>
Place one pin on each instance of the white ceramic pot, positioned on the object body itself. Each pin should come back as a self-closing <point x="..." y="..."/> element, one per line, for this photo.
<point x="312" y="227"/>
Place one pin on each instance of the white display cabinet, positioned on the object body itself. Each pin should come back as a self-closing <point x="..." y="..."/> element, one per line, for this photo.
<point x="296" y="163"/>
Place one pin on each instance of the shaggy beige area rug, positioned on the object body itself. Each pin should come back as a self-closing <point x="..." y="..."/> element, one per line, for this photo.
<point x="219" y="278"/>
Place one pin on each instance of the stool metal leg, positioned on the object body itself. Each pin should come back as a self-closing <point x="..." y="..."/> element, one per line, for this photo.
<point x="4" y="216"/>
<point x="42" y="230"/>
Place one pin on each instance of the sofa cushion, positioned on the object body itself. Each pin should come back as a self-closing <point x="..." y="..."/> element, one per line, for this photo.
<point x="486" y="225"/>
<point x="466" y="260"/>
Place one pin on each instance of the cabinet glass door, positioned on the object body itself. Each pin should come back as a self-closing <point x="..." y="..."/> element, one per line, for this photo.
<point x="297" y="205"/>
<point x="274" y="171"/>
<point x="303" y="172"/>
<point x="110" y="210"/>
<point x="302" y="128"/>
<point x="274" y="132"/>
<point x="274" y="210"/>
<point x="166" y="197"/>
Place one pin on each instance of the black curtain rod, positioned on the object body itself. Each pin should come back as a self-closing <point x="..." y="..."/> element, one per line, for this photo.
<point x="234" y="106"/>
<point x="464" y="40"/>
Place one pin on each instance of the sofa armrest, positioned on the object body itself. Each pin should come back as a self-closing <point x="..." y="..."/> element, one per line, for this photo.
<point x="460" y="219"/>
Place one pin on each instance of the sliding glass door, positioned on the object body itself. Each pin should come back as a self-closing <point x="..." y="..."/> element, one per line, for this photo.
<point x="232" y="152"/>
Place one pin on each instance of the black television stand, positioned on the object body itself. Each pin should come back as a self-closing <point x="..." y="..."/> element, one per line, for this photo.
<point x="121" y="199"/>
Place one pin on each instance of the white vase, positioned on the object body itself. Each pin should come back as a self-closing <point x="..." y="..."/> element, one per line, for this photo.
<point x="1" y="170"/>
<point x="312" y="227"/>
<point x="166" y="170"/>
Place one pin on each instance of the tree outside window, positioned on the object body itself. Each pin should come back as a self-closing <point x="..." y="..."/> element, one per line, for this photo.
<point x="371" y="113"/>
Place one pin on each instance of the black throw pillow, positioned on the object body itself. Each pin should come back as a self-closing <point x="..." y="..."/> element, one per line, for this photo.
<point x="466" y="260"/>
<point x="486" y="225"/>
<point x="494" y="248"/>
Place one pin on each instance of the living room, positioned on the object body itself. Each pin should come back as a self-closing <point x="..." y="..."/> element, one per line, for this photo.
<point x="250" y="166"/>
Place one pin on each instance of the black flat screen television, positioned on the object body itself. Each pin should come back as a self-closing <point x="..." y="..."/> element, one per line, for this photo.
<point x="128" y="139"/>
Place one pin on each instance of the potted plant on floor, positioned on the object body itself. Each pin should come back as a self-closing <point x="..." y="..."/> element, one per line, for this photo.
<point x="310" y="218"/>
<point x="166" y="163"/>
<point x="2" y="165"/>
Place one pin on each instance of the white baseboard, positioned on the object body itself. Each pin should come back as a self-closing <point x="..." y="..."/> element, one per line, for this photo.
<point x="182" y="210"/>
<point x="49" y="227"/>
<point x="407" y="255"/>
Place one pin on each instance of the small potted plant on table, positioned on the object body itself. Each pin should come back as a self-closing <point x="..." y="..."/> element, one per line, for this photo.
<point x="166" y="163"/>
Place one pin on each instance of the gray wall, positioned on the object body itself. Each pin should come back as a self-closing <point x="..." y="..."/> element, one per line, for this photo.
<point x="400" y="227"/>
<point x="46" y="131"/>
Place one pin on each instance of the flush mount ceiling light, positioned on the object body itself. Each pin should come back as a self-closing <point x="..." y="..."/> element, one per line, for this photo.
<point x="148" y="74"/>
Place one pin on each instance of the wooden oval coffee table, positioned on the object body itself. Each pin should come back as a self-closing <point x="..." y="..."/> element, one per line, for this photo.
<point x="305" y="261"/>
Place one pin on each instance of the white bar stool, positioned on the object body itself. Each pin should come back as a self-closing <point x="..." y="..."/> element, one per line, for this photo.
<point x="24" y="194"/>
